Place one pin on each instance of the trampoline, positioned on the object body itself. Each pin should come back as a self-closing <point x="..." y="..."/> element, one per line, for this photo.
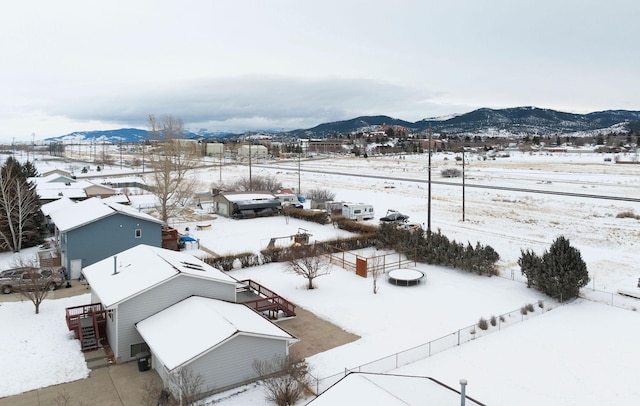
<point x="405" y="277"/>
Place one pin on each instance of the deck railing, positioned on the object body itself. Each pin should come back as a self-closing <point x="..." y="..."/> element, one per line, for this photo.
<point x="74" y="314"/>
<point x="268" y="300"/>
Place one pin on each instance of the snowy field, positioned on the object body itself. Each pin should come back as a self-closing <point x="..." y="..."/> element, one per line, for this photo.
<point x="583" y="353"/>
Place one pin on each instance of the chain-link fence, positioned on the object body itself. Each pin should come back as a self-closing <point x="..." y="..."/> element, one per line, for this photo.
<point x="456" y="338"/>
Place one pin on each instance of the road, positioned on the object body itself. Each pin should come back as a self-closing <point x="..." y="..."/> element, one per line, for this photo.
<point x="458" y="184"/>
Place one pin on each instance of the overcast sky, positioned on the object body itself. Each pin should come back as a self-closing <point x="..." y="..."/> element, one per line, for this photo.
<point x="242" y="64"/>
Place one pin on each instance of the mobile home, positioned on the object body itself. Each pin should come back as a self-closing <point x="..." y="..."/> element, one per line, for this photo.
<point x="358" y="211"/>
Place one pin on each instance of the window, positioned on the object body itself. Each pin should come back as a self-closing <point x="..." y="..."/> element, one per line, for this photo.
<point x="138" y="348"/>
<point x="138" y="232"/>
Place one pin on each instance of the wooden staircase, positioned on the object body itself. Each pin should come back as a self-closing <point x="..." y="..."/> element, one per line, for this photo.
<point x="87" y="322"/>
<point x="88" y="338"/>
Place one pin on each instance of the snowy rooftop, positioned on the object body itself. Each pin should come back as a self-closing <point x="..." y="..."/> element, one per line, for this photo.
<point x="56" y="205"/>
<point x="223" y="320"/>
<point x="142" y="267"/>
<point x="380" y="389"/>
<point x="90" y="210"/>
<point x="239" y="197"/>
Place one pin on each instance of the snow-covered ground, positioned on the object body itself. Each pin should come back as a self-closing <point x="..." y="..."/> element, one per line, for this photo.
<point x="583" y="353"/>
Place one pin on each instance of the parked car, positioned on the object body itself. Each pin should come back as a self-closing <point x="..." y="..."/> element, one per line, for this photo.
<point x="23" y="279"/>
<point x="394" y="217"/>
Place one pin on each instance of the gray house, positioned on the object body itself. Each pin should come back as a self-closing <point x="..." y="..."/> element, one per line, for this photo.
<point x="93" y="229"/>
<point x="184" y="312"/>
<point x="222" y="350"/>
<point x="143" y="280"/>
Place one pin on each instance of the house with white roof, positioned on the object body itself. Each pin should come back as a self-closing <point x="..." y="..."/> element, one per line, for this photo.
<point x="184" y="312"/>
<point x="246" y="204"/>
<point x="141" y="281"/>
<point x="55" y="186"/>
<point x="216" y="340"/>
<point x="93" y="229"/>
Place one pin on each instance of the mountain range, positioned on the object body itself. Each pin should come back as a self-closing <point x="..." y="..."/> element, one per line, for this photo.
<point x="515" y="122"/>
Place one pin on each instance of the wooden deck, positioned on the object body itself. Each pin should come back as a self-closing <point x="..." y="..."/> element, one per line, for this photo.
<point x="264" y="300"/>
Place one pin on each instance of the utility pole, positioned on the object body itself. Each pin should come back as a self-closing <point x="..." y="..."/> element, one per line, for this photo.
<point x="250" y="180"/>
<point x="463" y="158"/>
<point x="429" y="188"/>
<point x="299" y="154"/>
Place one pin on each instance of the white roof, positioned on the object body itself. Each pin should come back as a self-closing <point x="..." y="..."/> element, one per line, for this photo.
<point x="52" y="177"/>
<point x="389" y="390"/>
<point x="196" y="325"/>
<point x="118" y="198"/>
<point x="241" y="197"/>
<point x="56" y="205"/>
<point x="141" y="268"/>
<point x="90" y="210"/>
<point x="56" y="190"/>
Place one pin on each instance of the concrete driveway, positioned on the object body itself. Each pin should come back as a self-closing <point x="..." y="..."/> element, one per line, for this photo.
<point x="108" y="385"/>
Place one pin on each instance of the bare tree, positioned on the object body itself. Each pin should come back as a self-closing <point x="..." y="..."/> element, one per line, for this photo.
<point x="170" y="161"/>
<point x="186" y="386"/>
<point x="266" y="183"/>
<point x="376" y="268"/>
<point x="18" y="206"/>
<point x="34" y="283"/>
<point x="308" y="261"/>
<point x="284" y="377"/>
<point x="320" y="195"/>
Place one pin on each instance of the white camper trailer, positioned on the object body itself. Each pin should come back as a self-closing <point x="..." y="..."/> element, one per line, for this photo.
<point x="358" y="211"/>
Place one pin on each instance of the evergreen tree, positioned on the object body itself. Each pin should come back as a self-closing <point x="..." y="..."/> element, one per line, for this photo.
<point x="560" y="272"/>
<point x="530" y="265"/>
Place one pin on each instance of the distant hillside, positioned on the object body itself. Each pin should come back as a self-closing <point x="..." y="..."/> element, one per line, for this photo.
<point x="357" y="123"/>
<point x="512" y="121"/>
<point x="528" y="121"/>
<point x="126" y="135"/>
<point x="516" y="121"/>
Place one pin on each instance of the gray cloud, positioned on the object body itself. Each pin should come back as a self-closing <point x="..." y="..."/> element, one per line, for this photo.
<point x="251" y="101"/>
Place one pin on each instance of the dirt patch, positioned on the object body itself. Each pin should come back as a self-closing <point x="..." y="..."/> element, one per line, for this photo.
<point x="315" y="334"/>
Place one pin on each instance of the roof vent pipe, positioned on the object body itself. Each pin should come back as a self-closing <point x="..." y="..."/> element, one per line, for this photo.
<point x="115" y="264"/>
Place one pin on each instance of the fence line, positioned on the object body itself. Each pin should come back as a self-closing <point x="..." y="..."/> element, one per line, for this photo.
<point x="610" y="298"/>
<point x="389" y="260"/>
<point x="446" y="342"/>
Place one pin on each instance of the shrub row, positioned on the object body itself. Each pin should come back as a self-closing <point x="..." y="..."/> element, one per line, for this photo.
<point x="436" y="248"/>
<point x="315" y="216"/>
<point x="353" y="226"/>
<point x="280" y="254"/>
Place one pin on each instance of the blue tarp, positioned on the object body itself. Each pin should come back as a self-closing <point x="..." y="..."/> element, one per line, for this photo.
<point x="186" y="238"/>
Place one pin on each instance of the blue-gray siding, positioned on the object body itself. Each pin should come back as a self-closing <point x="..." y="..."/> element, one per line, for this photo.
<point x="108" y="236"/>
<point x="231" y="363"/>
<point x="159" y="298"/>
